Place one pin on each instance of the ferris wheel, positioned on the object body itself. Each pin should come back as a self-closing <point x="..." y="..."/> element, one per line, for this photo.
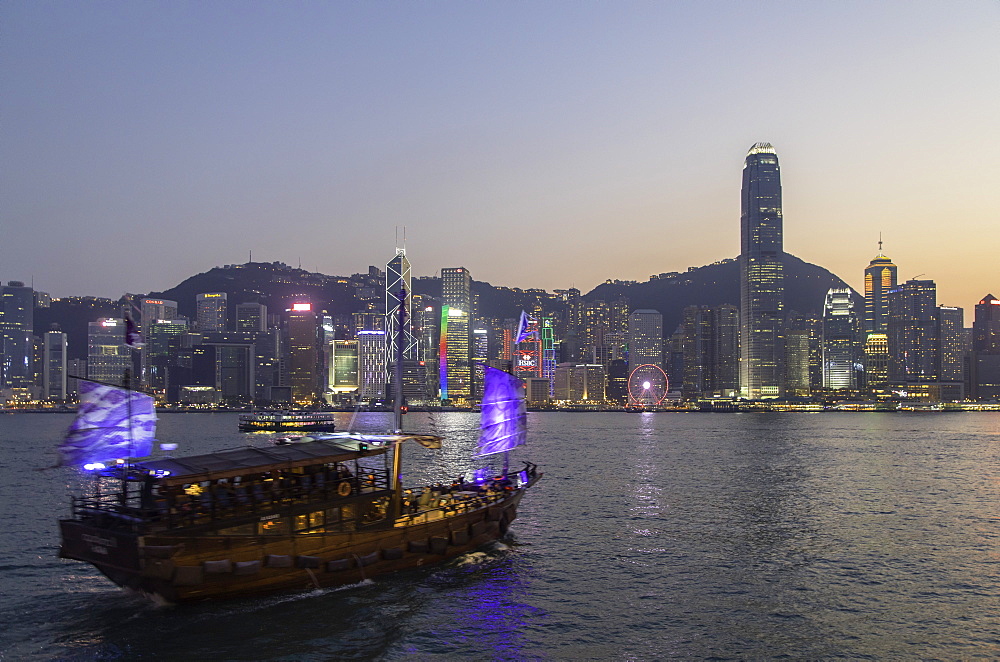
<point x="647" y="386"/>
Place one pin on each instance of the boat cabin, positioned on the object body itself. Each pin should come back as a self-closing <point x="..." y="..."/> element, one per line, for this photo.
<point x="321" y="486"/>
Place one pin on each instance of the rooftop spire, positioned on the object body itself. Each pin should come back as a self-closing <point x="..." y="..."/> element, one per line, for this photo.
<point x="761" y="148"/>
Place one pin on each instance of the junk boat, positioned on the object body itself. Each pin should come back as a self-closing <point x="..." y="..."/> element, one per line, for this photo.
<point x="324" y="512"/>
<point x="287" y="421"/>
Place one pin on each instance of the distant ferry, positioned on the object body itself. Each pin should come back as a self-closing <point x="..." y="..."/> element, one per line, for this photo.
<point x="287" y="421"/>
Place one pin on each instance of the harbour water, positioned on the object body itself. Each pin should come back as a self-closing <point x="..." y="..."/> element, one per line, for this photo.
<point x="651" y="536"/>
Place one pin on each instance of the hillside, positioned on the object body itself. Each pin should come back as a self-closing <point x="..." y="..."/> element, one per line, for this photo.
<point x="276" y="284"/>
<point x="714" y="284"/>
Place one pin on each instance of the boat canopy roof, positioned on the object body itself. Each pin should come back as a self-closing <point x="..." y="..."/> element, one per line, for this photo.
<point x="242" y="461"/>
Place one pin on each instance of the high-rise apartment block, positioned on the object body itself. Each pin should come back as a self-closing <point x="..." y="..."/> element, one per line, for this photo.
<point x="645" y="338"/>
<point x="762" y="288"/>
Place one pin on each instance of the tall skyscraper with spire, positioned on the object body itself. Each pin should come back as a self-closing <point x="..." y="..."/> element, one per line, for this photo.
<point x="880" y="277"/>
<point x="762" y="286"/>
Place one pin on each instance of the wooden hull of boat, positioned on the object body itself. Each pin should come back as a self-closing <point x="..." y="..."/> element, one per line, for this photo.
<point x="179" y="569"/>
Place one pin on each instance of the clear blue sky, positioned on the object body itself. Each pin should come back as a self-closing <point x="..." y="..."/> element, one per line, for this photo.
<point x="539" y="144"/>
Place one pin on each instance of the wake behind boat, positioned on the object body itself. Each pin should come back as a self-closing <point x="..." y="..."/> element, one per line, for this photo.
<point x="326" y="511"/>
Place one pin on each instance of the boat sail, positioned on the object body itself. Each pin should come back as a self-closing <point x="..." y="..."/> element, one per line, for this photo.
<point x="503" y="423"/>
<point x="112" y="423"/>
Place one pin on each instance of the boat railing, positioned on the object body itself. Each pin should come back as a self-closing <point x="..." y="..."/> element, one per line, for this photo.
<point x="440" y="506"/>
<point x="227" y="501"/>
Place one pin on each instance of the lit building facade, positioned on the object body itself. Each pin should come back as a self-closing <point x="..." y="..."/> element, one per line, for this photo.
<point x="371" y="365"/>
<point x="54" y="366"/>
<point x="710" y="349"/>
<point x="157" y="309"/>
<point x="912" y="332"/>
<point x="951" y="344"/>
<point x="303" y="362"/>
<point x="107" y="355"/>
<point x="251" y="318"/>
<point x="841" y="329"/>
<point x="455" y="373"/>
<point x="212" y="315"/>
<point x="762" y="288"/>
<point x="986" y="326"/>
<point x="880" y="277"/>
<point x="645" y="338"/>
<point x="454" y="338"/>
<point x="17" y="319"/>
<point x="580" y="383"/>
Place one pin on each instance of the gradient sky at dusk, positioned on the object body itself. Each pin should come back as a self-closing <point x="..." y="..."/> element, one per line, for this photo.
<point x="539" y="144"/>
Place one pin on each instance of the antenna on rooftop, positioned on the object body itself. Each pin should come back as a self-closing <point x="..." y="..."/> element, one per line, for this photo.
<point x="879" y="243"/>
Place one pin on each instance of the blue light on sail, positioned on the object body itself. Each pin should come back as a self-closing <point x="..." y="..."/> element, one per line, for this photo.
<point x="503" y="423"/>
<point x="111" y="423"/>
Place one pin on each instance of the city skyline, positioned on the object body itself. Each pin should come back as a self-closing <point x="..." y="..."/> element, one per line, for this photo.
<point x="144" y="144"/>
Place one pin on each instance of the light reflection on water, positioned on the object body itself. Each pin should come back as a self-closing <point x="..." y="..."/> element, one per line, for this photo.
<point x="659" y="535"/>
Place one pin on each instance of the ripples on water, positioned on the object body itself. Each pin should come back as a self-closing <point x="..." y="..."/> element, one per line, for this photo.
<point x="727" y="536"/>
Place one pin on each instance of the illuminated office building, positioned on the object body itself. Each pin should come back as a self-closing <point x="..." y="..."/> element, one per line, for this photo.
<point x="840" y="340"/>
<point x="710" y="349"/>
<point x="413" y="373"/>
<point x="880" y="277"/>
<point x="762" y="289"/>
<point x="913" y="332"/>
<point x="212" y="315"/>
<point x="371" y="365"/>
<point x="161" y="349"/>
<point x="986" y="326"/>
<point x="156" y="309"/>
<point x="17" y="319"/>
<point x="54" y="366"/>
<point x="876" y="351"/>
<point x="303" y="358"/>
<point x="344" y="366"/>
<point x="454" y="339"/>
<point x="251" y="317"/>
<point x="952" y="341"/>
<point x="107" y="355"/>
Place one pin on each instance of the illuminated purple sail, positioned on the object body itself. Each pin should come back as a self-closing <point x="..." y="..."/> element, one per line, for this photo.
<point x="504" y="417"/>
<point x="111" y="423"/>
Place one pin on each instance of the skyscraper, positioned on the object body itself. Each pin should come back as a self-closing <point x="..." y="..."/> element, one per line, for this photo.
<point x="398" y="279"/>
<point x="986" y="326"/>
<point x="880" y="277"/>
<point x="17" y="318"/>
<point x="454" y="351"/>
<point x="54" y="366"/>
<point x="303" y="375"/>
<point x="912" y="332"/>
<point x="645" y="338"/>
<point x="212" y="316"/>
<point x="762" y="289"/>
<point x="840" y="340"/>
<point x="710" y="348"/>
<point x="251" y="317"/>
<point x="107" y="355"/>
